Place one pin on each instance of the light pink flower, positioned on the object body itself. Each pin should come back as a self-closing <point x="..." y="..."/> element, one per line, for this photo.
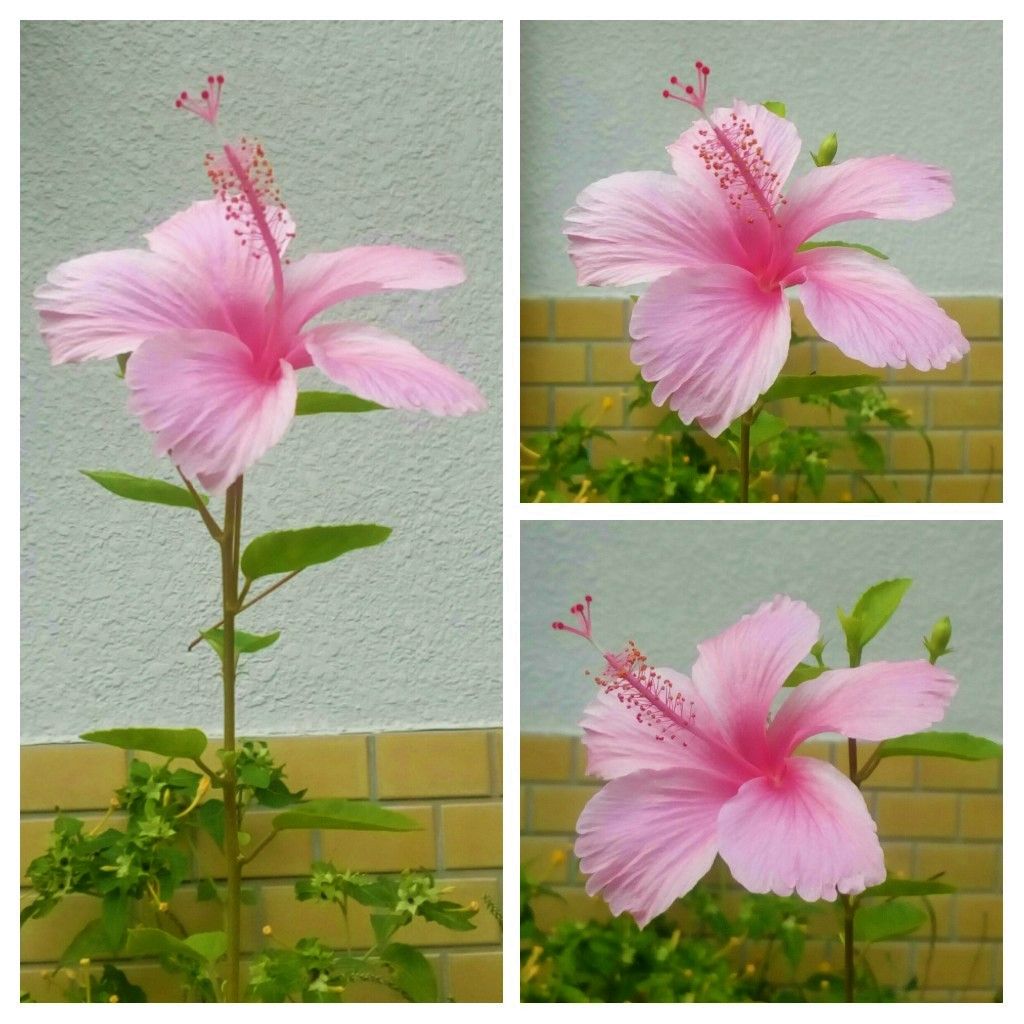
<point x="720" y="241"/>
<point x="217" y="322"/>
<point x="697" y="766"/>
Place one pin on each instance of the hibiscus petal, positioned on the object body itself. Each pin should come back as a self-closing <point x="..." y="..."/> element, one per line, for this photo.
<point x="211" y="409"/>
<point x="739" y="672"/>
<point x="618" y="744"/>
<point x="101" y="305"/>
<point x="872" y="702"/>
<point x="389" y="370"/>
<point x="641" y="226"/>
<point x="808" y="832"/>
<point x="322" y="279"/>
<point x="646" y="839"/>
<point x="871" y="312"/>
<point x="713" y="339"/>
<point x="203" y="240"/>
<point x="864" y="188"/>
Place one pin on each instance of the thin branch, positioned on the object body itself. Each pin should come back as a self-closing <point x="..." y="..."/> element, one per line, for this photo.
<point x="248" y="604"/>
<point x="211" y="524"/>
<point x="259" y="847"/>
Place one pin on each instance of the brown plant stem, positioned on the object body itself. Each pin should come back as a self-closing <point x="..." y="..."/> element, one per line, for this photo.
<point x="849" y="907"/>
<point x="229" y="547"/>
<point x="745" y="421"/>
<point x="248" y="604"/>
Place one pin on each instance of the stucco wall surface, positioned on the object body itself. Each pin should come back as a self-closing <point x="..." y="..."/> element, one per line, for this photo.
<point x="379" y="133"/>
<point x="668" y="586"/>
<point x="592" y="107"/>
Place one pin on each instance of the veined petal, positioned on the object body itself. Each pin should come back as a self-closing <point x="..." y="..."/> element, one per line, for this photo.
<point x="101" y="305"/>
<point x="739" y="672"/>
<point x="641" y="226"/>
<point x="871" y="312"/>
<point x="806" y="832"/>
<point x="322" y="279"/>
<point x="617" y="744"/>
<point x="872" y="702"/>
<point x="864" y="188"/>
<point x="210" y="408"/>
<point x="712" y="339"/>
<point x="648" y="838"/>
<point x="376" y="365"/>
<point x="213" y="249"/>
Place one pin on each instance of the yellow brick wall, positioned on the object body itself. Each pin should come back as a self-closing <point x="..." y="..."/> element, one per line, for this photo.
<point x="933" y="815"/>
<point x="575" y="353"/>
<point x="448" y="781"/>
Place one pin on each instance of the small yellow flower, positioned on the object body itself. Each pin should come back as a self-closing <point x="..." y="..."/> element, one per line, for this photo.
<point x="749" y="969"/>
<point x="825" y="967"/>
<point x="686" y="460"/>
<point x="607" y="403"/>
<point x="823" y="984"/>
<point x="847" y="496"/>
<point x="775" y="497"/>
<point x="113" y="999"/>
<point x="267" y="930"/>
<point x="473" y="905"/>
<point x="162" y="906"/>
<point x="558" y="858"/>
<point x="84" y="962"/>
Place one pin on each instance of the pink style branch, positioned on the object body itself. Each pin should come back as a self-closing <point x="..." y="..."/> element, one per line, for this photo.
<point x="210" y="327"/>
<point x="723" y="237"/>
<point x="705" y="765"/>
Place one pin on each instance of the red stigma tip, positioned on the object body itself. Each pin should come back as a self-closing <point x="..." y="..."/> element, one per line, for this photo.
<point x="205" y="94"/>
<point x="184" y="95"/>
<point x="689" y="90"/>
<point x="220" y="79"/>
<point x="210" y="79"/>
<point x="558" y="625"/>
<point x="664" y="93"/>
<point x="177" y="103"/>
<point x="674" y="80"/>
<point x="588" y="599"/>
<point x="699" y="65"/>
<point x="707" y="70"/>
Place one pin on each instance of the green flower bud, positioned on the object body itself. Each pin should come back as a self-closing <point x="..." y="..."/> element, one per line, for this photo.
<point x="826" y="151"/>
<point x="938" y="643"/>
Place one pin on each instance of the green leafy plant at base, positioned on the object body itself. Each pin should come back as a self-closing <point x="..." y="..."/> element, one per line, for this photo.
<point x="135" y="869"/>
<point x="785" y="462"/>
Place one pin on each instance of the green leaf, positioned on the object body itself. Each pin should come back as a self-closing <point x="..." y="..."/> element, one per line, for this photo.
<point x="802" y="673"/>
<point x="766" y="428"/>
<point x="140" y="488"/>
<point x="206" y="891"/>
<point x="290" y="550"/>
<point x="869" y="451"/>
<point x="449" y="914"/>
<point x="413" y="975"/>
<point x="91" y="942"/>
<point x="254" y="776"/>
<point x="122" y="363"/>
<point x="115" y="918"/>
<point x="355" y="815"/>
<point x="385" y="925"/>
<point x="876" y="606"/>
<point x="804" y="387"/>
<point x="210" y="818"/>
<point x="887" y="920"/>
<point x="190" y="743"/>
<point x="960" y="745"/>
<point x="908" y="887"/>
<point x="807" y="246"/>
<point x="309" y="403"/>
<point x="245" y="643"/>
<point x="775" y="106"/>
<point x="156" y="942"/>
<point x="211" y="946"/>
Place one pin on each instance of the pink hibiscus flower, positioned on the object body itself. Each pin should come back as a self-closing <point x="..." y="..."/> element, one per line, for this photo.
<point x="217" y="321"/>
<point x="698" y="767"/>
<point x="721" y="243"/>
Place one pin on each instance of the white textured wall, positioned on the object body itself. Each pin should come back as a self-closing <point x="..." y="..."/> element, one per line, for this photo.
<point x="592" y="106"/>
<point x="671" y="585"/>
<point x="379" y="133"/>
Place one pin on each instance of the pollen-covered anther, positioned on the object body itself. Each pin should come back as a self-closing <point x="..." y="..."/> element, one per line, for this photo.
<point x="732" y="154"/>
<point x="238" y="196"/>
<point x="651" y="698"/>
<point x="208" y="103"/>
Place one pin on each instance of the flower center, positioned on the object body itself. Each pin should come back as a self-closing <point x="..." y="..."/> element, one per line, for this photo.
<point x="732" y="153"/>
